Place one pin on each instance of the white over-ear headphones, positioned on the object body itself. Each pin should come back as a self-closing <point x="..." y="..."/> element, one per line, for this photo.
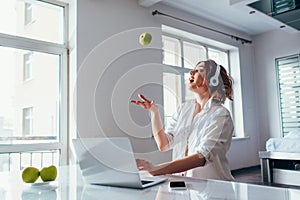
<point x="214" y="80"/>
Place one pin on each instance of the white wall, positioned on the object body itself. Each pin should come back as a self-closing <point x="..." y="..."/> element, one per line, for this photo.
<point x="113" y="67"/>
<point x="268" y="47"/>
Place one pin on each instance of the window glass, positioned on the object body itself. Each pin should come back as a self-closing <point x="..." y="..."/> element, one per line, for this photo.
<point x="32" y="19"/>
<point x="171" y="51"/>
<point x="193" y="53"/>
<point x="23" y="103"/>
<point x="220" y="57"/>
<point x="172" y="94"/>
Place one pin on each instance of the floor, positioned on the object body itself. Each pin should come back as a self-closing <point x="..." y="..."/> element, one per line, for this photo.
<point x="252" y="175"/>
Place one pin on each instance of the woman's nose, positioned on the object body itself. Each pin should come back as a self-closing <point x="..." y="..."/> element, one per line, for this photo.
<point x="192" y="72"/>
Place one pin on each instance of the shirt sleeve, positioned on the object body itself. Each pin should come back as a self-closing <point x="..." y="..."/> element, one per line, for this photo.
<point x="174" y="120"/>
<point x="217" y="135"/>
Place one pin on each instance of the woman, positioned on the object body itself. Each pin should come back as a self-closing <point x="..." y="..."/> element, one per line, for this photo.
<point x="200" y="131"/>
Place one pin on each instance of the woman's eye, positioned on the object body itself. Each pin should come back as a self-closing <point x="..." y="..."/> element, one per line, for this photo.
<point x="198" y="70"/>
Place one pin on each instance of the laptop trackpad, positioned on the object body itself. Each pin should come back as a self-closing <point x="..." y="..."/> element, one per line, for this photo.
<point x="146" y="182"/>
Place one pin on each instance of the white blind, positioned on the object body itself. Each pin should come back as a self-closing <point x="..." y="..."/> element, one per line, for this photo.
<point x="288" y="73"/>
<point x="280" y="6"/>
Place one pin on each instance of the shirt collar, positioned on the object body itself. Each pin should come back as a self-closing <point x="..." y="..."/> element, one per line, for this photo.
<point x="211" y="101"/>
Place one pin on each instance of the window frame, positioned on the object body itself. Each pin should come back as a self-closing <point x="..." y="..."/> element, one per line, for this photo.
<point x="19" y="42"/>
<point x="28" y="13"/>
<point x="181" y="70"/>
<point x="27" y="68"/>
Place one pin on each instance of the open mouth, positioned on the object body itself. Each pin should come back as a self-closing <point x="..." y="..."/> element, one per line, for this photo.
<point x="191" y="80"/>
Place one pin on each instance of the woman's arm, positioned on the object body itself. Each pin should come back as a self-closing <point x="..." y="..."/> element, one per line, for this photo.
<point x="159" y="134"/>
<point x="181" y="165"/>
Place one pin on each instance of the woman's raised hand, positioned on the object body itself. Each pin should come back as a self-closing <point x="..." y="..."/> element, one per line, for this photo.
<point x="144" y="103"/>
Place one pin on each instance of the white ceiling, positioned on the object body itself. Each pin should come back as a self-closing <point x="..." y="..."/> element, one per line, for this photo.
<point x="231" y="13"/>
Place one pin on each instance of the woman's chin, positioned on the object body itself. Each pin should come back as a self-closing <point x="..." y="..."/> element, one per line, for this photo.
<point x="192" y="87"/>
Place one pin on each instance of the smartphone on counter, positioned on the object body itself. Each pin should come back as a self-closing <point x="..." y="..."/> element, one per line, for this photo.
<point x="177" y="185"/>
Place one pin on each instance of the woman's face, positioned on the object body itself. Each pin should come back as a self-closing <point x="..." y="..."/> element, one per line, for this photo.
<point x="197" y="77"/>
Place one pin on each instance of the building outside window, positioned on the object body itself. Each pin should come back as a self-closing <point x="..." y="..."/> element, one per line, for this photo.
<point x="27" y="70"/>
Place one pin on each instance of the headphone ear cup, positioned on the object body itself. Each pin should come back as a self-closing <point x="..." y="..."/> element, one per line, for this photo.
<point x="214" y="80"/>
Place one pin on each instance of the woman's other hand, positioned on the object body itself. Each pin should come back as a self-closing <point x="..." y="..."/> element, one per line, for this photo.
<point x="145" y="165"/>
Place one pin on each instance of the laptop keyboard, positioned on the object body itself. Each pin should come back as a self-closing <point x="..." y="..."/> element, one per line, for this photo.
<point x="145" y="182"/>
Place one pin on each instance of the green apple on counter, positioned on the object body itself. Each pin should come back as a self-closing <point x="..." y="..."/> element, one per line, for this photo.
<point x="48" y="173"/>
<point x="30" y="174"/>
<point x="145" y="38"/>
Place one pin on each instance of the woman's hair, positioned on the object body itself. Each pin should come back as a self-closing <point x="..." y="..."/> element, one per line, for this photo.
<point x="223" y="89"/>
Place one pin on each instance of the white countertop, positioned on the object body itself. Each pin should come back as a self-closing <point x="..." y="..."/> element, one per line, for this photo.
<point x="70" y="185"/>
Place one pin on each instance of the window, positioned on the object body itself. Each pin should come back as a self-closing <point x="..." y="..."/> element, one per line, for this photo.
<point x="28" y="13"/>
<point x="27" y="71"/>
<point x="33" y="114"/>
<point x="180" y="55"/>
<point x="27" y="121"/>
<point x="31" y="19"/>
<point x="288" y="77"/>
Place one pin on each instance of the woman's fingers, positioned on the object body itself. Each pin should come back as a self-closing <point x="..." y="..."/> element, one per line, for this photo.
<point x="144" y="164"/>
<point x="145" y="103"/>
<point x="143" y="98"/>
<point x="136" y="102"/>
<point x="141" y="163"/>
<point x="142" y="104"/>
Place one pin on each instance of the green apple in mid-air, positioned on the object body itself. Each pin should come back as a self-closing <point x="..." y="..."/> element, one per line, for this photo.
<point x="48" y="173"/>
<point x="145" y="38"/>
<point x="30" y="174"/>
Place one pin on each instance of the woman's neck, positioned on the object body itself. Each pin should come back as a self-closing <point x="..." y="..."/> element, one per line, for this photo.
<point x="202" y="98"/>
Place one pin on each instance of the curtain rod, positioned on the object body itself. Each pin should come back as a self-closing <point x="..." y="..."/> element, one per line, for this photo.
<point x="242" y="40"/>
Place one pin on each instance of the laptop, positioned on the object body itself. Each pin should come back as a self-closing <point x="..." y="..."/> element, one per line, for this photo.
<point x="111" y="162"/>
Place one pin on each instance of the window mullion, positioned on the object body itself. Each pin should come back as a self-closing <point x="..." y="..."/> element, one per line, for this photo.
<point x="64" y="108"/>
<point x="206" y="51"/>
<point x="16" y="148"/>
<point x="31" y="44"/>
<point x="182" y="72"/>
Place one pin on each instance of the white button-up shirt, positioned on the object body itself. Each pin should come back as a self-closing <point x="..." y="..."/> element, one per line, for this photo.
<point x="209" y="133"/>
